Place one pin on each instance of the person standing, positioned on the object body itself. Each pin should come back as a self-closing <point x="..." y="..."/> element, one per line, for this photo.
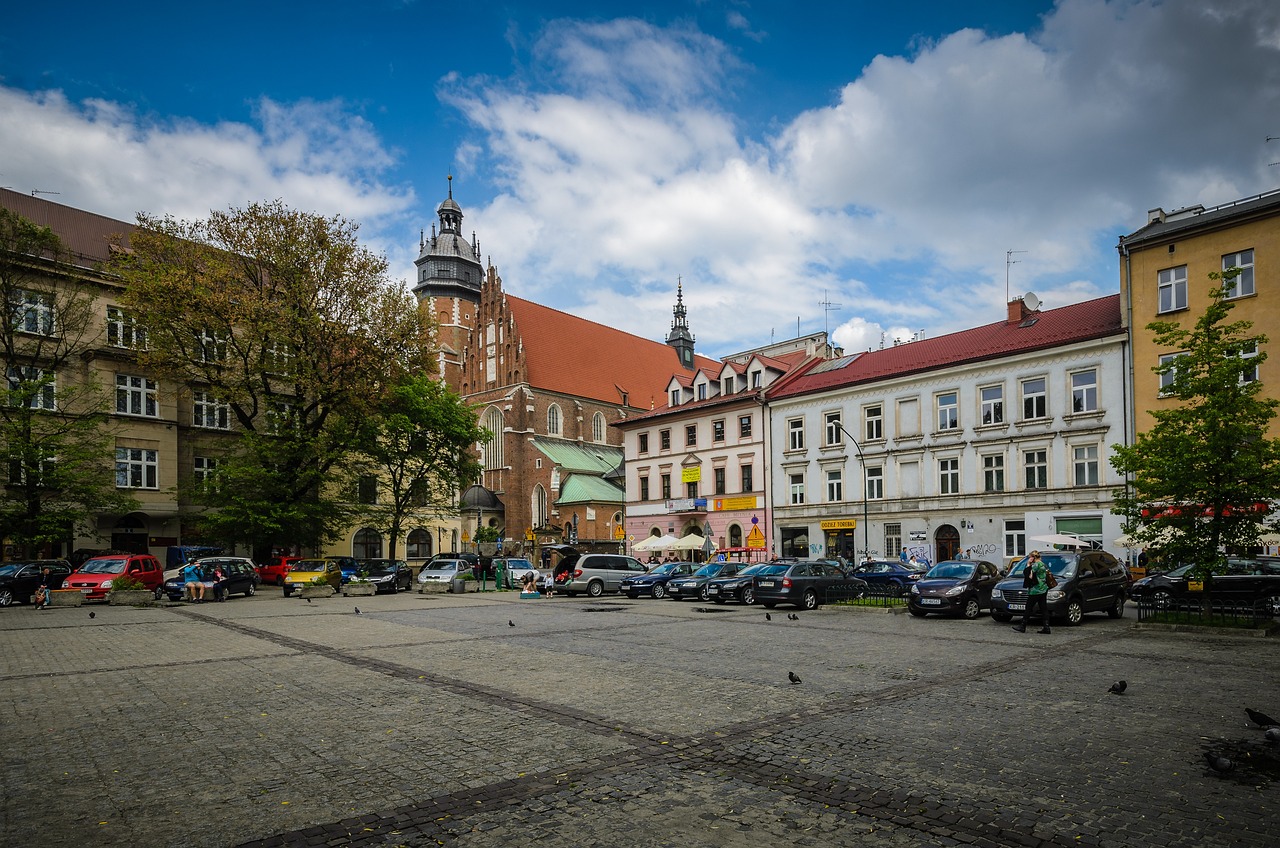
<point x="1036" y="581"/>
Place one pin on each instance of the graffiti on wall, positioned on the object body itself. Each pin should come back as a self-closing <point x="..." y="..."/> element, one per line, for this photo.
<point x="922" y="553"/>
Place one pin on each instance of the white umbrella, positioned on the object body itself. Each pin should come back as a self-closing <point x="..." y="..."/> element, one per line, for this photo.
<point x="1061" y="539"/>
<point x="692" y="542"/>
<point x="655" y="543"/>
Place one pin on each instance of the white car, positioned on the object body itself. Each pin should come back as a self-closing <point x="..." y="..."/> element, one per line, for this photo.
<point x="443" y="570"/>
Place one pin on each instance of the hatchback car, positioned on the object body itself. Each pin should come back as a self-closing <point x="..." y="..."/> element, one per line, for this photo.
<point x="312" y="572"/>
<point x="514" y="570"/>
<point x="695" y="585"/>
<point x="18" y="580"/>
<point x="888" y="576"/>
<point x="741" y="587"/>
<point x="274" y="571"/>
<point x="443" y="570"/>
<point x="95" y="578"/>
<point x="387" y="575"/>
<point x="654" y="583"/>
<point x="954" y="586"/>
<point x="1088" y="581"/>
<point x="806" y="584"/>
<point x="595" y="574"/>
<point x="239" y="577"/>
<point x="1244" y="581"/>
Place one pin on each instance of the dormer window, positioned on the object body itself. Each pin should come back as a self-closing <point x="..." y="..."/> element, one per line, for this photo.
<point x="675" y="397"/>
<point x="757" y="379"/>
<point x="702" y="391"/>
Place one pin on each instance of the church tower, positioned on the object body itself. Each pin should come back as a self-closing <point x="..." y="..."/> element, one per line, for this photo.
<point x="448" y="281"/>
<point x="680" y="338"/>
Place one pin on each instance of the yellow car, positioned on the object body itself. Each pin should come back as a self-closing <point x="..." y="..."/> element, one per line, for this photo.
<point x="310" y="572"/>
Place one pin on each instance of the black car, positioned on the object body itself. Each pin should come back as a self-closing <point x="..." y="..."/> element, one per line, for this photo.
<point x="386" y="575"/>
<point x="18" y="580"/>
<point x="1088" y="581"/>
<point x="954" y="586"/>
<point x="239" y="577"/>
<point x="805" y="584"/>
<point x="889" y="576"/>
<point x="741" y="587"/>
<point x="695" y="585"/>
<point x="1244" y="581"/>
<point x="654" y="583"/>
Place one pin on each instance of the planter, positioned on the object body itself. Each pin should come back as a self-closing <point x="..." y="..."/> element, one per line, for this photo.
<point x="131" y="598"/>
<point x="435" y="587"/>
<point x="66" y="598"/>
<point x="358" y="589"/>
<point x="458" y="586"/>
<point x="324" y="591"/>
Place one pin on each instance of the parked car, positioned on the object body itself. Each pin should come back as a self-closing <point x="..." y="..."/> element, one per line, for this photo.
<point x="309" y="572"/>
<point x="741" y="587"/>
<point x="349" y="566"/>
<point x="18" y="580"/>
<point x="95" y="578"/>
<point x="595" y="574"/>
<point x="805" y="585"/>
<point x="239" y="577"/>
<point x="387" y="575"/>
<point x="443" y="570"/>
<point x="654" y="583"/>
<point x="1246" y="580"/>
<point x="514" y="570"/>
<point x="954" y="586"/>
<point x="695" y="585"/>
<point x="1088" y="581"/>
<point x="889" y="576"/>
<point x="274" y="571"/>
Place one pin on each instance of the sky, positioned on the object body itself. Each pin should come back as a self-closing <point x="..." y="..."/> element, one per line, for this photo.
<point x="873" y="169"/>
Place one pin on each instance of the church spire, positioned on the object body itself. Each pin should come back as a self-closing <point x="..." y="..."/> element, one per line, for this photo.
<point x="680" y="338"/>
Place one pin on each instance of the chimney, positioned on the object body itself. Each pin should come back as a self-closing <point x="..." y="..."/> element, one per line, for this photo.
<point x="1018" y="311"/>
<point x="1154" y="215"/>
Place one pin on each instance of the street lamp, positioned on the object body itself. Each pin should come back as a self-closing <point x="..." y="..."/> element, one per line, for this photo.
<point x="866" y="530"/>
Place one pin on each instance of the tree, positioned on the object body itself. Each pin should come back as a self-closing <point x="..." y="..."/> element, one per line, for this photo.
<point x="422" y="445"/>
<point x="1203" y="478"/>
<point x="290" y="331"/>
<point x="55" y="433"/>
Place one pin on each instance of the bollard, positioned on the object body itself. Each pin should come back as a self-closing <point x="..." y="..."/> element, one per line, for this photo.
<point x="498" y="577"/>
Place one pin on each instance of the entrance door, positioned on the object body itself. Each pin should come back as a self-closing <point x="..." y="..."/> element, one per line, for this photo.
<point x="946" y="541"/>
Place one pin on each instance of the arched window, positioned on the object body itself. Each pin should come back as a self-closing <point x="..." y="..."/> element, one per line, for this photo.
<point x="539" y="504"/>
<point x="553" y="420"/>
<point x="419" y="546"/>
<point x="493" y="447"/>
<point x="735" y="535"/>
<point x="453" y="540"/>
<point x="597" y="428"/>
<point x="367" y="544"/>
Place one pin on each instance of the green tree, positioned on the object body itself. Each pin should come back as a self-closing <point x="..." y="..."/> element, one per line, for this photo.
<point x="422" y="445"/>
<point x="1202" y="479"/>
<point x="55" y="436"/>
<point x="283" y="320"/>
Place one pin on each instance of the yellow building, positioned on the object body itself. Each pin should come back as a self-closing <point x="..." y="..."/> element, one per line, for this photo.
<point x="1164" y="276"/>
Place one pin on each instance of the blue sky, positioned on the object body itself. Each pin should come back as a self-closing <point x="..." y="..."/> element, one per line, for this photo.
<point x="773" y="156"/>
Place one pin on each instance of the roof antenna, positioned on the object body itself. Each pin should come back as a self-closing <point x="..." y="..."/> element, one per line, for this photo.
<point x="827" y="306"/>
<point x="450" y="178"/>
<point x="1009" y="260"/>
<point x="36" y="191"/>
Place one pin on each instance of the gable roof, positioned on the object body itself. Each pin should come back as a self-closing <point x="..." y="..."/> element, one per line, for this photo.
<point x="574" y="356"/>
<point x="583" y="488"/>
<point x="577" y="456"/>
<point x="1092" y="319"/>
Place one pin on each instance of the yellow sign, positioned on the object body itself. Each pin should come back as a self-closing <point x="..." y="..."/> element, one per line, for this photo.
<point x="755" y="539"/>
<point x="619" y="533"/>
<point x="528" y="534"/>
<point x="692" y="474"/>
<point x="1195" y="585"/>
<point x="840" y="524"/>
<point x="723" y="504"/>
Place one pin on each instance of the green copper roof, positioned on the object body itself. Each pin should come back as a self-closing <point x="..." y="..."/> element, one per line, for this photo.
<point x="583" y="488"/>
<point x="577" y="456"/>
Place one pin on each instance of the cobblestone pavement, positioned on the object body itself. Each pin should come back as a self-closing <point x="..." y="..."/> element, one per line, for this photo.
<point x="428" y="720"/>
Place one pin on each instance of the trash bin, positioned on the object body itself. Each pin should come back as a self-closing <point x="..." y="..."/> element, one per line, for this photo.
<point x="457" y="586"/>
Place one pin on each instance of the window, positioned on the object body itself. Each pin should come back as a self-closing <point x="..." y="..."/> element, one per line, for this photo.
<point x="795" y="434"/>
<point x="835" y="485"/>
<point x="1168" y="372"/>
<point x="664" y="440"/>
<point x="666" y="486"/>
<point x="539" y="515"/>
<point x="281" y="416"/>
<point x="1034" y="403"/>
<point x="553" y="420"/>
<point x="675" y="397"/>
<point x="1015" y="538"/>
<point x="717" y="430"/>
<point x="719" y="481"/>
<point x="644" y="443"/>
<point x="493" y="448"/>
<point x="123" y="330"/>
<point x="756" y="379"/>
<point x="418" y="545"/>
<point x="212" y="346"/>
<point x="1248" y="367"/>
<point x="892" y="540"/>
<point x="208" y="411"/>
<point x="204" y="471"/>
<point x="22" y="468"/>
<point x="744" y="426"/>
<point x="1084" y="391"/>
<point x="873" y="422"/>
<point x="644" y="487"/>
<point x="1036" y="464"/>
<point x="691" y="489"/>
<point x="136" y="396"/>
<point x="1085" y="460"/>
<point x="948" y="411"/>
<point x="367" y="544"/>
<point x="691" y="435"/>
<point x="993" y="473"/>
<point x="597" y="428"/>
<point x="875" y="483"/>
<point x="1242" y="285"/>
<point x="992" y="404"/>
<point x="31" y="387"/>
<point x="277" y="358"/>
<point x="949" y="476"/>
<point x="702" y="391"/>
<point x="797" y="488"/>
<point x="748" y="478"/>
<point x="137" y="468"/>
<point x="833" y="431"/>
<point x="367" y="489"/>
<point x="1172" y="285"/>
<point x="31" y="312"/>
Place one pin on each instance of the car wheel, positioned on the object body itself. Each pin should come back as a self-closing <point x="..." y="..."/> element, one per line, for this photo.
<point x="748" y="595"/>
<point x="810" y="600"/>
<point x="1161" y="599"/>
<point x="704" y="594"/>
<point x="287" y="593"/>
<point x="595" y="589"/>
<point x="769" y="604"/>
<point x="659" y="591"/>
<point x="280" y="580"/>
<point x="1272" y="604"/>
<point x="1075" y="612"/>
<point x="6" y="597"/>
<point x="1002" y="617"/>
<point x="159" y="593"/>
<point x="917" y="613"/>
<point x="897" y="589"/>
<point x="972" y="609"/>
<point x="251" y="590"/>
<point x="395" y="587"/>
<point x="1117" y="608"/>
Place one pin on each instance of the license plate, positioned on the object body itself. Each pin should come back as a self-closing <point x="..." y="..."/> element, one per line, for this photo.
<point x="713" y="590"/>
<point x="931" y="602"/>
<point x="86" y="591"/>
<point x="766" y="584"/>
<point x="1018" y="607"/>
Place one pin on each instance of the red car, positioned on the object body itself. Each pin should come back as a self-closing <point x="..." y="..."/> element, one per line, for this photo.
<point x="95" y="577"/>
<point x="273" y="573"/>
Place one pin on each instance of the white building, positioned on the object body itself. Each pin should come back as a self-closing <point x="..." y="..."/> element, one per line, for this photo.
<point x="973" y="442"/>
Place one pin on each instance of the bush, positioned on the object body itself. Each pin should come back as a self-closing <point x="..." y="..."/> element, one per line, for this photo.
<point x="126" y="584"/>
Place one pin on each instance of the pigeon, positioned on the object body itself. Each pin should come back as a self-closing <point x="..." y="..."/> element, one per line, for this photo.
<point x="793" y="677"/>
<point x="510" y="623"/>
<point x="1261" y="719"/>
<point x="1218" y="763"/>
<point x="1118" y="687"/>
<point x="308" y="600"/>
<point x="1273" y="734"/>
<point x="93" y="615"/>
<point x="768" y="617"/>
<point x="793" y="617"/>
<point x="358" y="611"/>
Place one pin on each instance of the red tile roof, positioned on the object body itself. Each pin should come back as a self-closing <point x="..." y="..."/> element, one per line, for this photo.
<point x="568" y="354"/>
<point x="1092" y="319"/>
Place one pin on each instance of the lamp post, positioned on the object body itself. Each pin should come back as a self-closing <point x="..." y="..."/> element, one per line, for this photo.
<point x="866" y="530"/>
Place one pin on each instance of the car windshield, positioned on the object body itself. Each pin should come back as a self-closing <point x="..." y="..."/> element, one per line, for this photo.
<point x="665" y="568"/>
<point x="10" y="569"/>
<point x="711" y="569"/>
<point x="951" y="571"/>
<point x="445" y="565"/>
<point x="308" y="565"/>
<point x="774" y="568"/>
<point x="1060" y="566"/>
<point x="758" y="568"/>
<point x="103" y="566"/>
<point x="381" y="566"/>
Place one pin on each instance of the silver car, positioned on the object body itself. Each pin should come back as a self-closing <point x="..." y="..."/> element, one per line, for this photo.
<point x="443" y="570"/>
<point x="596" y="574"/>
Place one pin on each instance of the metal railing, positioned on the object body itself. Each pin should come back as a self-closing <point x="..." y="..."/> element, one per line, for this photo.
<point x="1207" y="611"/>
<point x="871" y="596"/>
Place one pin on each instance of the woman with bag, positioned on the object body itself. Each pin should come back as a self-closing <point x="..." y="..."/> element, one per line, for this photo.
<point x="1038" y="580"/>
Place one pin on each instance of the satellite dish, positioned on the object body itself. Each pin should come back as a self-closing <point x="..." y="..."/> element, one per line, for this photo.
<point x="1032" y="302"/>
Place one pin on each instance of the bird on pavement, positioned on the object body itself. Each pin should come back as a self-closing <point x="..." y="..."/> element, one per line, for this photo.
<point x="358" y="611"/>
<point x="1273" y="734"/>
<point x="93" y="615"/>
<point x="1261" y="719"/>
<point x="768" y="617"/>
<point x="1218" y="763"/>
<point x="510" y="623"/>
<point x="1118" y="687"/>
<point x="793" y="617"/>
<point x="308" y="600"/>
<point x="793" y="677"/>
